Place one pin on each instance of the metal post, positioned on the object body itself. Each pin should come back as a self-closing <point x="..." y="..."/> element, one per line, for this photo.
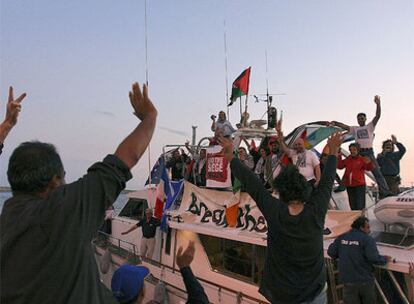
<point x="193" y="140"/>
<point x="398" y="287"/>
<point x="384" y="298"/>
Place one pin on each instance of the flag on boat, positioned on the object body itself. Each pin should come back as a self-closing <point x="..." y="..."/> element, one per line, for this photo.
<point x="240" y="86"/>
<point x="157" y="170"/>
<point x="311" y="133"/>
<point x="165" y="189"/>
<point x="177" y="187"/>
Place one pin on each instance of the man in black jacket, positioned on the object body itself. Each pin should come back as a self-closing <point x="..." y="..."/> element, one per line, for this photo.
<point x="357" y="253"/>
<point x="294" y="269"/>
<point x="47" y="226"/>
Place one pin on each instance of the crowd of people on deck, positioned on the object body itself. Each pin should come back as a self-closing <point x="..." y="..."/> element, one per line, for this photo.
<point x="272" y="154"/>
<point x="47" y="226"/>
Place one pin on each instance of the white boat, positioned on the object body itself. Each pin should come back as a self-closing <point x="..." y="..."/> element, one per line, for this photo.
<point x="229" y="260"/>
<point x="397" y="209"/>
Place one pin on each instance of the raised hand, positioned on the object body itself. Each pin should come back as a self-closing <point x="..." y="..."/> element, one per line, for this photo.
<point x="279" y="128"/>
<point x="334" y="142"/>
<point x="227" y="145"/>
<point x="142" y="105"/>
<point x="377" y="100"/>
<point x="185" y="258"/>
<point x="393" y="139"/>
<point x="13" y="108"/>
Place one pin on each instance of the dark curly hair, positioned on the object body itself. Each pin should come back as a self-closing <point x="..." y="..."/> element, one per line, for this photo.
<point x="32" y="166"/>
<point x="359" y="222"/>
<point x="292" y="186"/>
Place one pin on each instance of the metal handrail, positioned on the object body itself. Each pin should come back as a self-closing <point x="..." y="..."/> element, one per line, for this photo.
<point x="160" y="265"/>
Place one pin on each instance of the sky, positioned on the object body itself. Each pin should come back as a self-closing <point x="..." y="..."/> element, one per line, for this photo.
<point x="77" y="59"/>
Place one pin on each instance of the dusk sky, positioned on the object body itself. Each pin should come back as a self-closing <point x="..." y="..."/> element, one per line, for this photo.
<point x="77" y="60"/>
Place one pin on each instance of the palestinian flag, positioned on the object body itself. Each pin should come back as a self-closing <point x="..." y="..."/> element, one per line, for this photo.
<point x="240" y="86"/>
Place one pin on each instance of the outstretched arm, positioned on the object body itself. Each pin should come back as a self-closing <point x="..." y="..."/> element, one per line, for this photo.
<point x="377" y="101"/>
<point x="195" y="291"/>
<point x="281" y="138"/>
<point x="248" y="179"/>
<point x="12" y="112"/>
<point x="322" y="194"/>
<point x="131" y="148"/>
<point x="132" y="228"/>
<point x="400" y="146"/>
<point x="338" y="124"/>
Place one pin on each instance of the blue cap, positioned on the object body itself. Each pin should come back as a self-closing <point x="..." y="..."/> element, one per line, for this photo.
<point x="127" y="282"/>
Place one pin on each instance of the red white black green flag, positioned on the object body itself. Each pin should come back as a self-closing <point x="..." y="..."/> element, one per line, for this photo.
<point x="240" y="86"/>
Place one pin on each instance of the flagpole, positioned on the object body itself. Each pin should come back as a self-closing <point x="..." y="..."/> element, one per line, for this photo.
<point x="146" y="81"/>
<point x="241" y="109"/>
<point x="226" y="70"/>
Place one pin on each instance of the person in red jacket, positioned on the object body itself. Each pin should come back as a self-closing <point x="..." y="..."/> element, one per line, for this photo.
<point x="354" y="178"/>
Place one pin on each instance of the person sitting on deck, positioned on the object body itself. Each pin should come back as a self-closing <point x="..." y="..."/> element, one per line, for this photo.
<point x="12" y="112"/>
<point x="222" y="124"/>
<point x="46" y="228"/>
<point x="294" y="269"/>
<point x="354" y="177"/>
<point x="389" y="162"/>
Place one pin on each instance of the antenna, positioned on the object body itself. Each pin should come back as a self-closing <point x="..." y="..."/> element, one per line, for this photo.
<point x="146" y="41"/>
<point x="146" y="81"/>
<point x="226" y="70"/>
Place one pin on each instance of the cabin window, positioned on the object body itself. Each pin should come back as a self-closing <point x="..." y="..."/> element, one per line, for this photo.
<point x="242" y="260"/>
<point x="134" y="209"/>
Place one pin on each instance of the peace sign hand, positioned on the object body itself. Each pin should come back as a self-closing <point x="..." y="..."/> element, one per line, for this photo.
<point x="13" y="108"/>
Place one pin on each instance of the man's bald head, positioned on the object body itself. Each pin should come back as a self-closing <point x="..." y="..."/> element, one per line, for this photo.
<point x="299" y="145"/>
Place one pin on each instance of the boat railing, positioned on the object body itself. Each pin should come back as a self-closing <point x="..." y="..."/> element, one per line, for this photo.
<point x="122" y="248"/>
<point x="129" y="251"/>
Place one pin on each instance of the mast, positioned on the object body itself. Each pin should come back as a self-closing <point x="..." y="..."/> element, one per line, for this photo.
<point x="226" y="70"/>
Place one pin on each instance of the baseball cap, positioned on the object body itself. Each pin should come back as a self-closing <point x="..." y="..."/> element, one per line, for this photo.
<point x="127" y="282"/>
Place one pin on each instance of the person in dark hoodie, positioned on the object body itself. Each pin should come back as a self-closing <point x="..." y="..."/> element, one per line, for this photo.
<point x="46" y="228"/>
<point x="357" y="253"/>
<point x="294" y="269"/>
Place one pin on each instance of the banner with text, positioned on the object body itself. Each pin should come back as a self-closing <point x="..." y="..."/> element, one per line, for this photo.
<point x="217" y="169"/>
<point x="207" y="207"/>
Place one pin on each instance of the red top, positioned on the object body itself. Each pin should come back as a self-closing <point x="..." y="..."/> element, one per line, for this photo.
<point x="355" y="168"/>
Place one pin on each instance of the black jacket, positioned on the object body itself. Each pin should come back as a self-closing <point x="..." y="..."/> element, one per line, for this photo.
<point x="294" y="269"/>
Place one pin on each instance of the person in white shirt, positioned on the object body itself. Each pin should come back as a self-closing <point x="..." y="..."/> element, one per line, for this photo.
<point x="364" y="137"/>
<point x="222" y="124"/>
<point x="306" y="161"/>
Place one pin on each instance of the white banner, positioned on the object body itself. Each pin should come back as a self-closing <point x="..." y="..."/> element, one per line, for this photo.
<point x="207" y="208"/>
